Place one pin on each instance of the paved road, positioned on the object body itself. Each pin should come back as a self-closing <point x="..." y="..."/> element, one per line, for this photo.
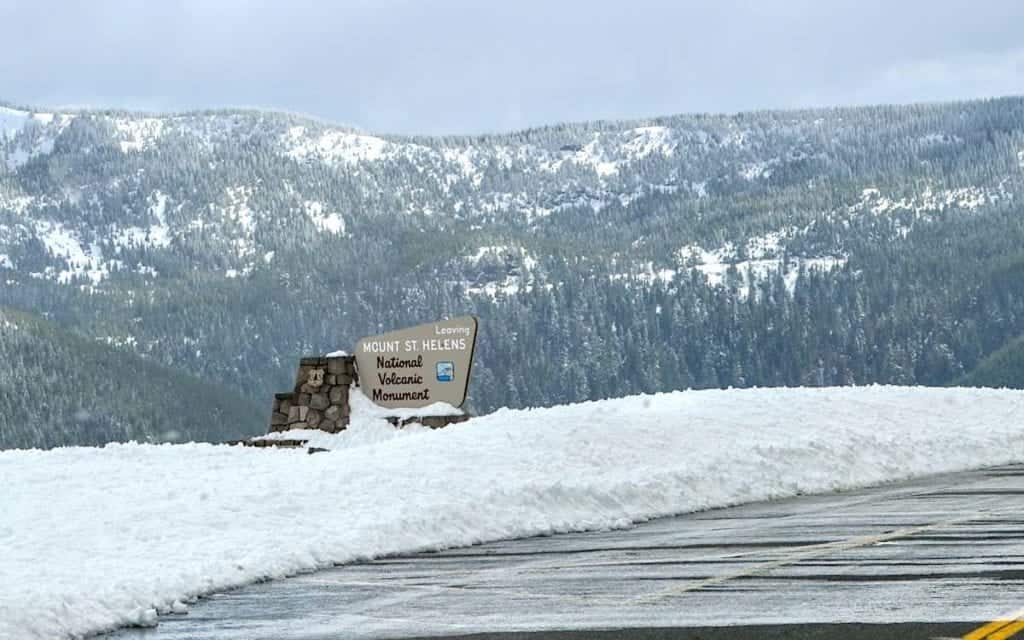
<point x="931" y="558"/>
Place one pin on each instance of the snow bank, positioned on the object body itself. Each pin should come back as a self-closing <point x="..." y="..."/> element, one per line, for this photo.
<point x="363" y="407"/>
<point x="360" y="433"/>
<point x="97" y="538"/>
<point x="368" y="425"/>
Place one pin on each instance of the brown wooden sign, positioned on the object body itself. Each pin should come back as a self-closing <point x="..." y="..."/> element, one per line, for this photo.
<point x="419" y="366"/>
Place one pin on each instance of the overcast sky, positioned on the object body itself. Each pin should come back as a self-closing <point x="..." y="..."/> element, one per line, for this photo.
<point x="484" y="65"/>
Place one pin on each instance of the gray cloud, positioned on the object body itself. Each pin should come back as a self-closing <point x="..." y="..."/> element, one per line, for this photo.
<point x="471" y="66"/>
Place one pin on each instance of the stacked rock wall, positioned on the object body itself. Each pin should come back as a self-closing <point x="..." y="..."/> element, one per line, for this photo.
<point x="320" y="397"/>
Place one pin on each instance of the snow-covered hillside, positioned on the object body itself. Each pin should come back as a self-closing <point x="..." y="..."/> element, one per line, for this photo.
<point x="126" y="219"/>
<point x="27" y="135"/>
<point x="97" y="538"/>
<point x="770" y="248"/>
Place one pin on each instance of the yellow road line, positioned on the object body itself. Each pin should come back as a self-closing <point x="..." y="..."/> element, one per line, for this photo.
<point x="982" y="632"/>
<point x="1007" y="632"/>
<point x="999" y="629"/>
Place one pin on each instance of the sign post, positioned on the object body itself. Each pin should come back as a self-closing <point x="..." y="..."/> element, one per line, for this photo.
<point x="419" y="366"/>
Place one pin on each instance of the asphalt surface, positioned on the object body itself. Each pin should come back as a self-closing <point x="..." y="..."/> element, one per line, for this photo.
<point x="931" y="558"/>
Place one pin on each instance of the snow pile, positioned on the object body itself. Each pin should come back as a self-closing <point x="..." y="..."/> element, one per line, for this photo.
<point x="367" y="425"/>
<point x="362" y="407"/>
<point x="96" y="538"/>
<point x="360" y="433"/>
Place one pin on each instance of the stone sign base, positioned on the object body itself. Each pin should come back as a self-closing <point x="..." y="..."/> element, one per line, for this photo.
<point x="320" y="397"/>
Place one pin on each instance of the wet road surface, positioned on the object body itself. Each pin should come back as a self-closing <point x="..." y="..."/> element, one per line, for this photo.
<point x="932" y="558"/>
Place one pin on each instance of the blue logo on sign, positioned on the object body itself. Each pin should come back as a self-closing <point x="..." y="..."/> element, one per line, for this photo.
<point x="445" y="371"/>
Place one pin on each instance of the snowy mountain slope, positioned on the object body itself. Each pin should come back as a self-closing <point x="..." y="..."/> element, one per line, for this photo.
<point x="487" y="182"/>
<point x="130" y="530"/>
<point x="743" y="249"/>
<point x="24" y="135"/>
